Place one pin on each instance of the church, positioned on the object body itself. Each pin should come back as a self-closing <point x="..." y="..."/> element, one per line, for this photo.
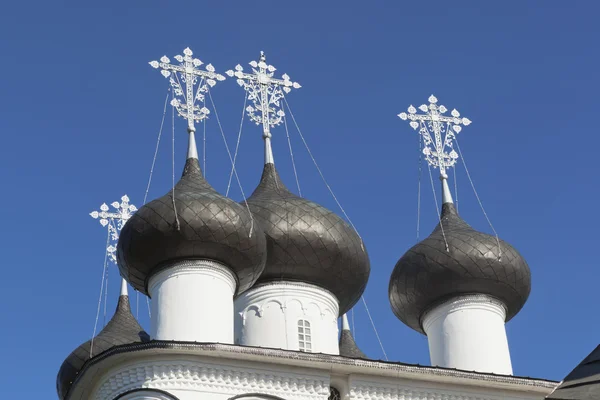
<point x="249" y="299"/>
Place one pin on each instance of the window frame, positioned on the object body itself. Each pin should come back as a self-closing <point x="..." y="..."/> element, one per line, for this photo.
<point x="305" y="343"/>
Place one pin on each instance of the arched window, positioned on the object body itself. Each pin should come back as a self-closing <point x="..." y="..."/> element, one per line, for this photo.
<point x="304" y="336"/>
<point x="334" y="394"/>
<point x="146" y="394"/>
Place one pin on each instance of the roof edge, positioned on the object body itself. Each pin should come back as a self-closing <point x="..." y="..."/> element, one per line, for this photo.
<point x="331" y="363"/>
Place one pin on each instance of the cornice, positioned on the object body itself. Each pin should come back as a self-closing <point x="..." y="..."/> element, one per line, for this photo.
<point x="206" y="377"/>
<point x="334" y="364"/>
<point x="370" y="391"/>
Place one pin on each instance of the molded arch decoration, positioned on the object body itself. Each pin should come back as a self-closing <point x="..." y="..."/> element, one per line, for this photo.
<point x="146" y="394"/>
<point x="255" y="396"/>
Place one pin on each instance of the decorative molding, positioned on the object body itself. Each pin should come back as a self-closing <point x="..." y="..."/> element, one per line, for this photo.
<point x="201" y="377"/>
<point x="284" y="358"/>
<point x="369" y="391"/>
<point x="276" y="292"/>
<point x="211" y="268"/>
<point x="471" y="302"/>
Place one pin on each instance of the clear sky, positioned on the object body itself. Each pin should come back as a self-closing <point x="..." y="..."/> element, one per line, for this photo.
<point x="81" y="108"/>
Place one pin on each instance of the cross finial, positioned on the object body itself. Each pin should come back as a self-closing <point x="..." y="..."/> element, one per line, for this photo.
<point x="265" y="92"/>
<point x="114" y="220"/>
<point x="437" y="131"/>
<point x="197" y="83"/>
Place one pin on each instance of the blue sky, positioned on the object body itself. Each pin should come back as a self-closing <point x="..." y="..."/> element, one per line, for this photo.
<point x="81" y="110"/>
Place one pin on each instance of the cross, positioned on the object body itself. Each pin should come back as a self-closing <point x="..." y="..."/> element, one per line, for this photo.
<point x="438" y="151"/>
<point x="264" y="91"/>
<point x="187" y="73"/>
<point x="123" y="212"/>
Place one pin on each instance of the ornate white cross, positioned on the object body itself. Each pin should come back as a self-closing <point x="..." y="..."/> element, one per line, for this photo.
<point x="187" y="73"/>
<point x="123" y="212"/>
<point x="438" y="151"/>
<point x="265" y="92"/>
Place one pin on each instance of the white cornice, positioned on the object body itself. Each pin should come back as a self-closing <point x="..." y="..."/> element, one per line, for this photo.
<point x="199" y="376"/>
<point x="329" y="363"/>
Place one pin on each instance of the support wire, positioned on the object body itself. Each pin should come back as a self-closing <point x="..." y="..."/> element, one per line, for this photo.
<point x="162" y="123"/>
<point x="237" y="145"/>
<point x="419" y="188"/>
<point x="322" y="176"/>
<point x="287" y="133"/>
<point x="101" y="291"/>
<point x="173" y="168"/>
<point x="479" y="200"/>
<point x="455" y="190"/>
<point x="437" y="208"/>
<point x="375" y="329"/>
<point x="232" y="163"/>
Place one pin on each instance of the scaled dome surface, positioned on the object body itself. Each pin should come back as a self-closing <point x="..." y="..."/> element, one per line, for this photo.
<point x="212" y="227"/>
<point x="428" y="274"/>
<point x="308" y="243"/>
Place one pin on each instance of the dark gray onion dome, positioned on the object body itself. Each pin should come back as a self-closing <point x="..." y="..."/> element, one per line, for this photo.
<point x="123" y="328"/>
<point x="212" y="227"/>
<point x="308" y="243"/>
<point x="348" y="347"/>
<point x="428" y="274"/>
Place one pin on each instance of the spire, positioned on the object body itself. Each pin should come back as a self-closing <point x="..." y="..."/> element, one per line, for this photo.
<point x="438" y="132"/>
<point x="197" y="83"/>
<point x="123" y="287"/>
<point x="192" y="149"/>
<point x="348" y="347"/>
<point x="345" y="324"/>
<point x="266" y="93"/>
<point x="446" y="194"/>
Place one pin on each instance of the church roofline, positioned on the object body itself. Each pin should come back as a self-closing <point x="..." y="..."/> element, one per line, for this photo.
<point x="333" y="363"/>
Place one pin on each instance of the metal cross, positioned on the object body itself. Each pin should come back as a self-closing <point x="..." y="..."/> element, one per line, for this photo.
<point x="438" y="151"/>
<point x="123" y="212"/>
<point x="187" y="73"/>
<point x="265" y="92"/>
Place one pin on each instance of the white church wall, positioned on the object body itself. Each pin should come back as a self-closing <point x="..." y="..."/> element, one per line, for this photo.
<point x="269" y="316"/>
<point x="192" y="300"/>
<point x="188" y="378"/>
<point x="369" y="388"/>
<point x="468" y="333"/>
<point x="194" y="378"/>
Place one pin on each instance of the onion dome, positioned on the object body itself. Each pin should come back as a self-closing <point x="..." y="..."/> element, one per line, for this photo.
<point x="430" y="273"/>
<point x="348" y="347"/>
<point x="308" y="243"/>
<point x="205" y="225"/>
<point x="123" y="328"/>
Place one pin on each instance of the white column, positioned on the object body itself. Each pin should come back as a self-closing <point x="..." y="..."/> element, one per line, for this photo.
<point x="268" y="315"/>
<point x="468" y="333"/>
<point x="192" y="300"/>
